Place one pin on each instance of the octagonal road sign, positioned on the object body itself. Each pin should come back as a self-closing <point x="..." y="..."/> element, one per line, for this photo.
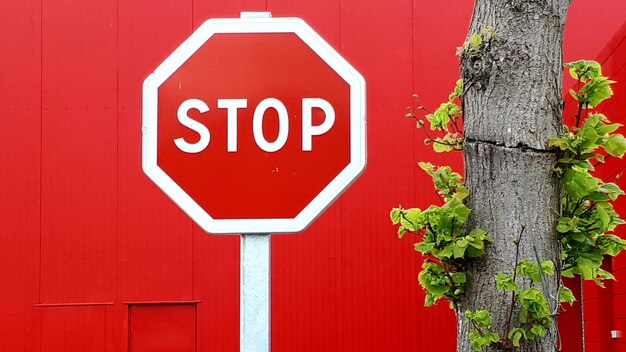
<point x="254" y="125"/>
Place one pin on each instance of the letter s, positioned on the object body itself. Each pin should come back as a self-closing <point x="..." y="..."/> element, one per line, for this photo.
<point x="185" y="120"/>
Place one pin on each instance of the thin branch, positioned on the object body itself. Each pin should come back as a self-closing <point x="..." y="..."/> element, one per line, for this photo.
<point x="579" y="114"/>
<point x="508" y="320"/>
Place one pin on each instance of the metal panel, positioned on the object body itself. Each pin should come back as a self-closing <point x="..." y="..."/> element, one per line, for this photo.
<point x="378" y="299"/>
<point x="604" y="309"/>
<point x="20" y="157"/>
<point x="155" y="246"/>
<point x="435" y="71"/>
<point x="79" y="150"/>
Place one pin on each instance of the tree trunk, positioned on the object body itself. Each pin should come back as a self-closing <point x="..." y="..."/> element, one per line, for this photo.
<point x="512" y="105"/>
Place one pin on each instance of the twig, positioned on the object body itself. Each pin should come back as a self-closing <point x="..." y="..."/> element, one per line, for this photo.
<point x="508" y="320"/>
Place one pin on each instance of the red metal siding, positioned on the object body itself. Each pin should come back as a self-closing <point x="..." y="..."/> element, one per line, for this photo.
<point x="75" y="328"/>
<point x="78" y="132"/>
<point x="20" y="154"/>
<point x="604" y="309"/>
<point x="85" y="232"/>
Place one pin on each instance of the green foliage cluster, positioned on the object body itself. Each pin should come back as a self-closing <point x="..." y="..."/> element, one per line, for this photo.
<point x="445" y="242"/>
<point x="477" y="42"/>
<point x="587" y="218"/>
<point x="481" y="336"/>
<point x="596" y="88"/>
<point x="445" y="121"/>
<point x="535" y="314"/>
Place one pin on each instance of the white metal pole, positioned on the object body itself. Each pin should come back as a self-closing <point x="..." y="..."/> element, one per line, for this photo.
<point x="255" y="293"/>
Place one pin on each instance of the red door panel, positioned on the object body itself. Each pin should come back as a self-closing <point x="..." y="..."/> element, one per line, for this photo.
<point x="162" y="328"/>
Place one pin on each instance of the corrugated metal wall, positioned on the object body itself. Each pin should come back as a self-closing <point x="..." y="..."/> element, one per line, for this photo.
<point x="93" y="257"/>
<point x="605" y="309"/>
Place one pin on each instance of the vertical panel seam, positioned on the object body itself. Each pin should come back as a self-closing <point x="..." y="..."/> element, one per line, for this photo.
<point x="105" y="329"/>
<point x="129" y="313"/>
<point x="117" y="166"/>
<point x="40" y="149"/>
<point x="413" y="131"/>
<point x="195" y="327"/>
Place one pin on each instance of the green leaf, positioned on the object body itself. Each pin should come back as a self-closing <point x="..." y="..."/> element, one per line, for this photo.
<point x="477" y="340"/>
<point x="481" y="317"/>
<point x="579" y="183"/>
<point x="441" y="146"/>
<point x="516" y="335"/>
<point x="539" y="330"/>
<point x="548" y="267"/>
<point x="447" y="251"/>
<point x="578" y="237"/>
<point x="395" y="215"/>
<point x="442" y="116"/>
<point x="428" y="167"/>
<point x="526" y="268"/>
<point x="434" y="280"/>
<point x="558" y="143"/>
<point x="424" y="247"/>
<point x="565" y="224"/>
<point x="584" y="69"/>
<point x="611" y="189"/>
<point x="523" y="315"/>
<point x="415" y="216"/>
<point x="588" y="136"/>
<point x="505" y="283"/>
<point x="616" y="145"/>
<point x="490" y="337"/>
<point x="605" y="275"/>
<point x="459" y="249"/>
<point x="458" y="90"/>
<point x="408" y="224"/>
<point x="474" y="253"/>
<point x="475" y="41"/>
<point x="458" y="209"/>
<point x="596" y="91"/>
<point x="601" y="127"/>
<point x="534" y="305"/>
<point x="566" y="295"/>
<point x="611" y="244"/>
<point x="461" y="192"/>
<point x="585" y="268"/>
<point x="459" y="277"/>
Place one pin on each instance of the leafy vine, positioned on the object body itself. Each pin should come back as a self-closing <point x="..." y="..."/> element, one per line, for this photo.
<point x="586" y="221"/>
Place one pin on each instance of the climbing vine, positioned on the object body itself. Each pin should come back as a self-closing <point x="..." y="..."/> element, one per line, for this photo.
<point x="586" y="215"/>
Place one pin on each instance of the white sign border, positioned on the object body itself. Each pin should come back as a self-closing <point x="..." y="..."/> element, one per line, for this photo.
<point x="358" y="128"/>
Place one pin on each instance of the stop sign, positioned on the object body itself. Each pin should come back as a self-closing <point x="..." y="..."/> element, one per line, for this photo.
<point x="254" y="125"/>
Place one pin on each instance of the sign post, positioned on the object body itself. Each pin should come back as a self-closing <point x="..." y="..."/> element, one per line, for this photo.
<point x="254" y="126"/>
<point x="255" y="298"/>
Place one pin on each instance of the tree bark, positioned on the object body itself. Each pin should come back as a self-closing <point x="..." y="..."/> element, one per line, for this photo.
<point x="512" y="105"/>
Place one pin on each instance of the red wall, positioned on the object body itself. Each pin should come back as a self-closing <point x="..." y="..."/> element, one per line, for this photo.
<point x="605" y="309"/>
<point x="93" y="257"/>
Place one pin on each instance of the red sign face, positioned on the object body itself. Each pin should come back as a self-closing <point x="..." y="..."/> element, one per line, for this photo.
<point x="254" y="125"/>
